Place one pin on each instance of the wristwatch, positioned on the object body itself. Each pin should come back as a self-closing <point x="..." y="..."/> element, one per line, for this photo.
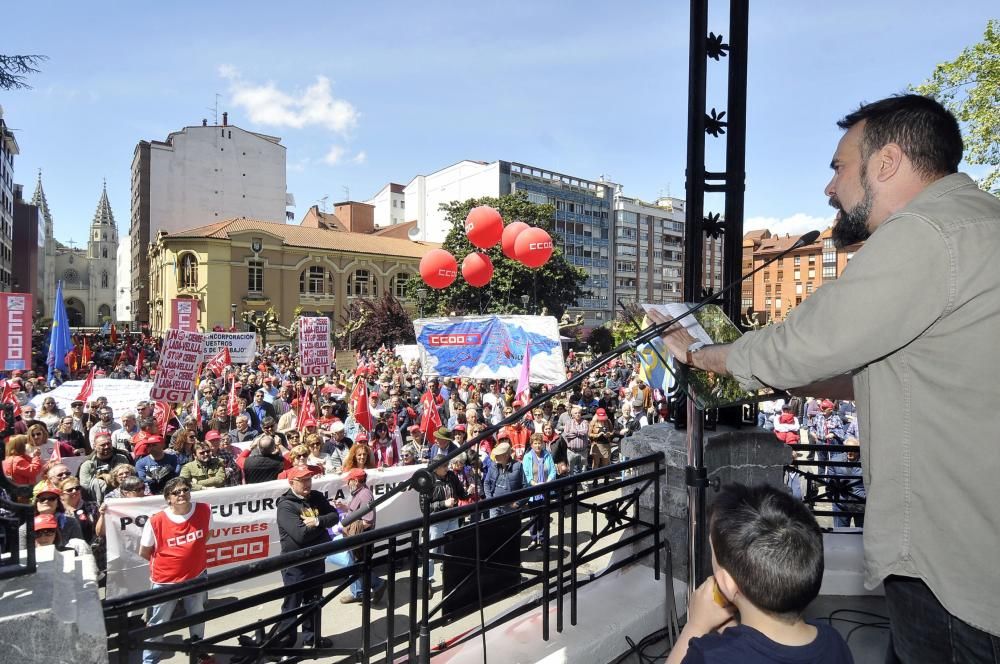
<point x="692" y="349"/>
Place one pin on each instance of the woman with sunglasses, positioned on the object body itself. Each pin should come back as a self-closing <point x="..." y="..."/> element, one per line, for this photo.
<point x="299" y="456"/>
<point x="85" y="512"/>
<point x="47" y="501"/>
<point x="38" y="439"/>
<point x="50" y="414"/>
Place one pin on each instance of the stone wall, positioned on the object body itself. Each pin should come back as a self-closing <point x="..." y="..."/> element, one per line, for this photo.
<point x="748" y="456"/>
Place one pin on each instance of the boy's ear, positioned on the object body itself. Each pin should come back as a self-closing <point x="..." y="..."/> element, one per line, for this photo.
<point x="726" y="583"/>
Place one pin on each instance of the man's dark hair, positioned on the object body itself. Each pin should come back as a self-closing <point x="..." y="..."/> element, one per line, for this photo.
<point x="172" y="485"/>
<point x="268" y="421"/>
<point x="771" y="545"/>
<point x="925" y="130"/>
<point x="147" y="423"/>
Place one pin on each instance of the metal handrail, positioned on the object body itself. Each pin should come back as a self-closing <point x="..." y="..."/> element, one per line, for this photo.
<point x="407" y="541"/>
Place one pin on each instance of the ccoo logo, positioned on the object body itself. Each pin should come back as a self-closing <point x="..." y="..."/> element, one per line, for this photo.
<point x="539" y="245"/>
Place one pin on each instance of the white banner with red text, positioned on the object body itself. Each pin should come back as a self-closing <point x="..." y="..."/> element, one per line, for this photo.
<point x="178" y="366"/>
<point x="244" y="524"/>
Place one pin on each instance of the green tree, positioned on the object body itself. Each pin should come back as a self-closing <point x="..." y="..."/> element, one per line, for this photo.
<point x="600" y="340"/>
<point x="555" y="286"/>
<point x="969" y="86"/>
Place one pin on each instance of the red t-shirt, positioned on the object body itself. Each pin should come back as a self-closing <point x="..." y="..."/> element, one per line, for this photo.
<point x="180" y="552"/>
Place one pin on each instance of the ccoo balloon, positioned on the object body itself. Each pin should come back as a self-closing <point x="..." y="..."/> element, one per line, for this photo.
<point x="477" y="269"/>
<point x="483" y="226"/>
<point x="533" y="247"/>
<point x="510" y="234"/>
<point x="438" y="268"/>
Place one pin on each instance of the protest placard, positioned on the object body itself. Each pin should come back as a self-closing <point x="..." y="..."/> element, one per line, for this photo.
<point x="179" y="360"/>
<point x="242" y="345"/>
<point x="314" y="345"/>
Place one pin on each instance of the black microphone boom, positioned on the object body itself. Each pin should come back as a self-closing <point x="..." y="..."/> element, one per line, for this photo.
<point x="422" y="478"/>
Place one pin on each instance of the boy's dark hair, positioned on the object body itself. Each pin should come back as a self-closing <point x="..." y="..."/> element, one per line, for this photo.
<point x="925" y="130"/>
<point x="771" y="545"/>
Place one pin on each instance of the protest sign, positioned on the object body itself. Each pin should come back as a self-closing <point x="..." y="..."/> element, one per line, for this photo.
<point x="244" y="524"/>
<point x="175" y="373"/>
<point x="242" y="345"/>
<point x="314" y="345"/>
<point x="491" y="347"/>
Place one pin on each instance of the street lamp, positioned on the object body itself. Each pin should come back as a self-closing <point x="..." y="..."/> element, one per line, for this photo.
<point x="232" y="311"/>
<point x="421" y="296"/>
<point x="524" y="302"/>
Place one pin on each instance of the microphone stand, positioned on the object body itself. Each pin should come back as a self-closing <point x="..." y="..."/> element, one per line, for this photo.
<point x="422" y="480"/>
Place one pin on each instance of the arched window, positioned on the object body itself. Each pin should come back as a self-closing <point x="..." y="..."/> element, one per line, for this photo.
<point x="189" y="271"/>
<point x="103" y="312"/>
<point x="104" y="279"/>
<point x="104" y="252"/>
<point x="362" y="284"/>
<point x="315" y="280"/>
<point x="399" y="284"/>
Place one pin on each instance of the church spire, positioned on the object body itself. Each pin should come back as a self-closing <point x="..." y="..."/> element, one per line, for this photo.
<point x="103" y="215"/>
<point x="39" y="201"/>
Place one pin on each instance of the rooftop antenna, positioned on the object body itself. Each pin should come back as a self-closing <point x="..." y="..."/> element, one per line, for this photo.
<point x="215" y="109"/>
<point x="347" y="192"/>
<point x="322" y="202"/>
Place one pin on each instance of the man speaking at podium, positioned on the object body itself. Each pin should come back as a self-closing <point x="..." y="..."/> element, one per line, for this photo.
<point x="911" y="332"/>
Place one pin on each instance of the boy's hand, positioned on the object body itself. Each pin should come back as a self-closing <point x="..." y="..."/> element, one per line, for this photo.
<point x="704" y="613"/>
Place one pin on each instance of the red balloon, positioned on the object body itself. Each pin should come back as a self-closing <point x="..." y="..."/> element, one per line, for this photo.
<point x="510" y="234"/>
<point x="438" y="268"/>
<point x="477" y="269"/>
<point x="533" y="247"/>
<point x="483" y="226"/>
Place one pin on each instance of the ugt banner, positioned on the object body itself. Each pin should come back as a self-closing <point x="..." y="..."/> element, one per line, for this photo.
<point x="314" y="345"/>
<point x="491" y="347"/>
<point x="184" y="314"/>
<point x="175" y="374"/>
<point x="244" y="523"/>
<point x="15" y="337"/>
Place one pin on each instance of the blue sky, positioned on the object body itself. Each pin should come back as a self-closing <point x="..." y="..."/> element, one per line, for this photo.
<point x="367" y="93"/>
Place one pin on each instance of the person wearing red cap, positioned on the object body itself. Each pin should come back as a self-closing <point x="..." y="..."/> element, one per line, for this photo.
<point x="601" y="431"/>
<point x="361" y="495"/>
<point x="828" y="429"/>
<point x="303" y="516"/>
<point x="174" y="542"/>
<point x="157" y="467"/>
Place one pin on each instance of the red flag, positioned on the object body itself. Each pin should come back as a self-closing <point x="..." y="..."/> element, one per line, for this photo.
<point x="307" y="414"/>
<point x="7" y="396"/>
<point x="85" y="355"/>
<point x="88" y="387"/>
<point x="114" y="334"/>
<point x="430" y="419"/>
<point x="359" y="405"/>
<point x="233" y="403"/>
<point x="219" y="362"/>
<point x="138" y="362"/>
<point x="162" y="413"/>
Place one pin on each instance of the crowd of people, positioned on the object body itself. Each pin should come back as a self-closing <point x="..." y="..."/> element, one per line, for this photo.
<point x="821" y="422"/>
<point x="281" y="422"/>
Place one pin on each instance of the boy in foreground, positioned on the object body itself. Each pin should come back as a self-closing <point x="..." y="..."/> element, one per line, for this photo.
<point x="767" y="562"/>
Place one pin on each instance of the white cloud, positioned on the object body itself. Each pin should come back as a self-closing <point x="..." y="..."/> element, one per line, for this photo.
<point x="266" y="104"/>
<point x="360" y="157"/>
<point x="797" y="224"/>
<point x="334" y="156"/>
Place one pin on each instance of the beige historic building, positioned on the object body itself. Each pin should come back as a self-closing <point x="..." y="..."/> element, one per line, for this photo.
<point x="245" y="264"/>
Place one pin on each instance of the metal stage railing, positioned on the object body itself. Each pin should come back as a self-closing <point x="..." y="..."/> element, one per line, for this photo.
<point x="480" y="559"/>
<point x="825" y="488"/>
